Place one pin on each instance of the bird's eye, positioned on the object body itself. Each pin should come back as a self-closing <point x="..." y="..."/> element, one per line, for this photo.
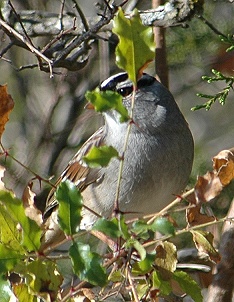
<point x="125" y="91"/>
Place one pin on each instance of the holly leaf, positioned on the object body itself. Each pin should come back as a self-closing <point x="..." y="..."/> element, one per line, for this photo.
<point x="8" y="258"/>
<point x="107" y="100"/>
<point x="87" y="265"/>
<point x="70" y="206"/>
<point x="100" y="156"/>
<point x="22" y="293"/>
<point x="10" y="235"/>
<point x="21" y="228"/>
<point x="163" y="285"/>
<point x="108" y="227"/>
<point x="163" y="225"/>
<point x="136" y="47"/>
<point x="189" y="286"/>
<point x="131" y="242"/>
<point x="43" y="276"/>
<point x="144" y="266"/>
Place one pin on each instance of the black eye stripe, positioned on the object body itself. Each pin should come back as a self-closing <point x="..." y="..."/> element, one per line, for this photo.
<point x="122" y="85"/>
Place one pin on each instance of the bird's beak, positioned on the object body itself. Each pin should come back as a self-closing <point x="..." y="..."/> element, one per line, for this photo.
<point x="89" y="106"/>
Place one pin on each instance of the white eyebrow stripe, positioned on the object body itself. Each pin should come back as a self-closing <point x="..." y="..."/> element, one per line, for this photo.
<point x="111" y="78"/>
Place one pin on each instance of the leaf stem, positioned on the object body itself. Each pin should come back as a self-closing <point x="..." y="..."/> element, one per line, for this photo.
<point x="37" y="176"/>
<point x="188" y="229"/>
<point x="116" y="204"/>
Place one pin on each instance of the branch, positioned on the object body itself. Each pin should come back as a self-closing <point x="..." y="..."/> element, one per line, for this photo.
<point x="37" y="23"/>
<point x="72" y="33"/>
<point x="21" y="38"/>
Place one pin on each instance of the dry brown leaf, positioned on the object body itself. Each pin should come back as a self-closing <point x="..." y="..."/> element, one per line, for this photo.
<point x="194" y="215"/>
<point x="6" y="105"/>
<point x="223" y="164"/>
<point x="207" y="187"/>
<point x="31" y="210"/>
<point x="210" y="185"/>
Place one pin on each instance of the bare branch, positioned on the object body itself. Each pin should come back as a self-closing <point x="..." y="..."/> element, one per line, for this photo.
<point x="72" y="35"/>
<point x="28" y="44"/>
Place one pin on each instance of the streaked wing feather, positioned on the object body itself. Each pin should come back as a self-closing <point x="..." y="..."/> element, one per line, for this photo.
<point x="77" y="171"/>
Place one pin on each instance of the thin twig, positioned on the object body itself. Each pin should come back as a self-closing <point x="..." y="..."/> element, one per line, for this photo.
<point x="168" y="207"/>
<point x="134" y="291"/>
<point x="28" y="44"/>
<point x="211" y="26"/>
<point x="20" y="22"/>
<point x="61" y="14"/>
<point x="7" y="154"/>
<point x="187" y="230"/>
<point x="82" y="16"/>
<point x="6" y="49"/>
<point x="58" y="37"/>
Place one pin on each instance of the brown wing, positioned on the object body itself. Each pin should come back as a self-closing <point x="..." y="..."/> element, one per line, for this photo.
<point x="77" y="171"/>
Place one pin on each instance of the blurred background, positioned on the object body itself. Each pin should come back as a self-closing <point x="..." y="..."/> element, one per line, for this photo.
<point x="48" y="123"/>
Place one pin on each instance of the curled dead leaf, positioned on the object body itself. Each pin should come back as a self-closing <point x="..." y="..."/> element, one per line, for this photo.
<point x="31" y="210"/>
<point x="194" y="214"/>
<point x="6" y="105"/>
<point x="195" y="217"/>
<point x="207" y="187"/>
<point x="204" y="243"/>
<point x="223" y="164"/>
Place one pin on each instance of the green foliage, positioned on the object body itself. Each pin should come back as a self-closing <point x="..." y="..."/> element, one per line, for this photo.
<point x="220" y="96"/>
<point x="17" y="230"/>
<point x="163" y="226"/>
<point x="100" y="156"/>
<point x="160" y="283"/>
<point x="107" y="100"/>
<point x="21" y="291"/>
<point x="229" y="40"/>
<point x="130" y="260"/>
<point x="8" y="258"/>
<point x="87" y="265"/>
<point x="41" y="275"/>
<point x="135" y="39"/>
<point x="188" y="285"/>
<point x="108" y="227"/>
<point x="70" y="205"/>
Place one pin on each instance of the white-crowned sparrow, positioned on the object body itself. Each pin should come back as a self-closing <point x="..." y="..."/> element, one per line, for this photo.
<point x="157" y="162"/>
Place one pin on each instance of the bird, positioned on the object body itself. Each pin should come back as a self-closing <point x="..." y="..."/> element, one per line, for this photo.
<point x="157" y="161"/>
